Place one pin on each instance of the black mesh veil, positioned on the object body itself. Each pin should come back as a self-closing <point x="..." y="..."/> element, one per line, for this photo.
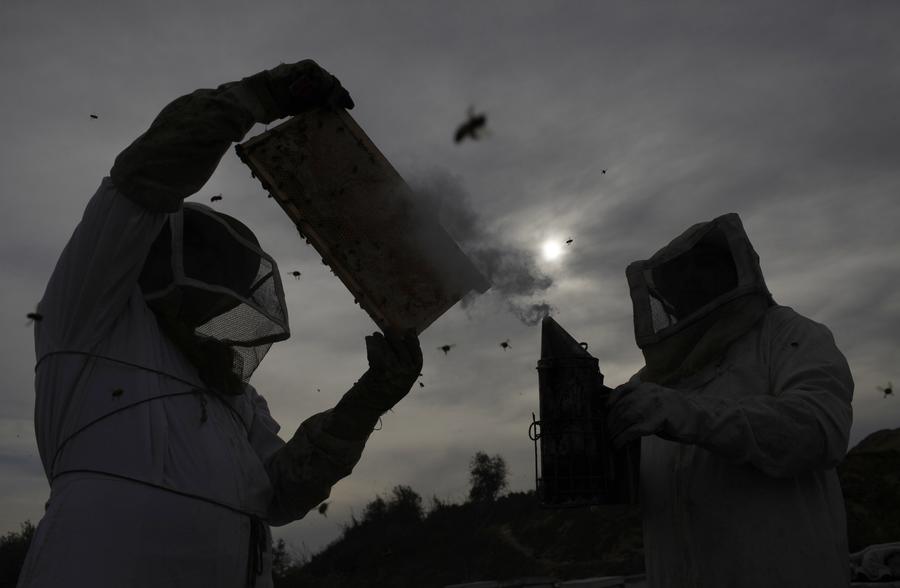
<point x="686" y="283"/>
<point x="709" y="265"/>
<point x="207" y="271"/>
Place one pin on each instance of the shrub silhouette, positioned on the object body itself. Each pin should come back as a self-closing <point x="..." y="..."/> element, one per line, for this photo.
<point x="13" y="547"/>
<point x="487" y="476"/>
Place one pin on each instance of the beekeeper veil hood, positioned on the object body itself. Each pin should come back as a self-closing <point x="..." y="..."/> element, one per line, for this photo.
<point x="695" y="296"/>
<point x="216" y="294"/>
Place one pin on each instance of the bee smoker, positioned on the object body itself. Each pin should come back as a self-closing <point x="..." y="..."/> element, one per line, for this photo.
<point x="578" y="464"/>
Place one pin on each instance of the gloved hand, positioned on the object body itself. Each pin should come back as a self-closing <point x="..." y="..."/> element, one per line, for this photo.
<point x="292" y="88"/>
<point x="640" y="408"/>
<point x="395" y="360"/>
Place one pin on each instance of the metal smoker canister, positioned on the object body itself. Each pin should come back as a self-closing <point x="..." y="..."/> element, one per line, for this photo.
<point x="578" y="464"/>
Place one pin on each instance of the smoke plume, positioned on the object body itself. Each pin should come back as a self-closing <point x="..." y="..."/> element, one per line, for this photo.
<point x="512" y="271"/>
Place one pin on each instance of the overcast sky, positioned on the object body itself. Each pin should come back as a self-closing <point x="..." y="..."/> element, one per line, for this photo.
<point x="784" y="112"/>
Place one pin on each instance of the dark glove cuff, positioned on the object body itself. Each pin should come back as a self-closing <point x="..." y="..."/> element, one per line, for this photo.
<point x="357" y="413"/>
<point x="351" y="425"/>
<point x="370" y="394"/>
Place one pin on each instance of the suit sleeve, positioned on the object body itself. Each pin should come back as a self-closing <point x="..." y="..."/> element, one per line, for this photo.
<point x="100" y="265"/>
<point x="176" y="156"/>
<point x="303" y="470"/>
<point x="801" y="423"/>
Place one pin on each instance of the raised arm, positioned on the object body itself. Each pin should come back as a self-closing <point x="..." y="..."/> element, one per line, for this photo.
<point x="180" y="151"/>
<point x="328" y="445"/>
<point x="99" y="267"/>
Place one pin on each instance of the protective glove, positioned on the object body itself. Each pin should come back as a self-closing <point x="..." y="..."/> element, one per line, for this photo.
<point x="292" y="88"/>
<point x="395" y="361"/>
<point x="637" y="409"/>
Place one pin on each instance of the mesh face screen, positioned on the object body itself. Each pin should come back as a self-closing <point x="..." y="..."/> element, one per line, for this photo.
<point x="695" y="278"/>
<point x="255" y="317"/>
<point x="661" y="319"/>
<point x="230" y="291"/>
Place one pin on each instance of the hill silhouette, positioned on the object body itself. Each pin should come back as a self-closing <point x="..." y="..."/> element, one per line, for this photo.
<point x="514" y="537"/>
<point x="396" y="543"/>
<point x="507" y="538"/>
<point x="870" y="480"/>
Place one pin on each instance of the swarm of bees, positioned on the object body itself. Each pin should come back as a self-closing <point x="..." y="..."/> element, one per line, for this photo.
<point x="887" y="390"/>
<point x="472" y="128"/>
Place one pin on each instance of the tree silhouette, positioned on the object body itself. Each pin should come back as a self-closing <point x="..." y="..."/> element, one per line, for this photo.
<point x="404" y="505"/>
<point x="281" y="559"/>
<point x="13" y="547"/>
<point x="487" y="477"/>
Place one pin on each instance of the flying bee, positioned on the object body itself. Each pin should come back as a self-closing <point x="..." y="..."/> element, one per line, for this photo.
<point x="505" y="345"/>
<point x="472" y="127"/>
<point x="216" y="198"/>
<point x="296" y="274"/>
<point x="569" y="241"/>
<point x="887" y="390"/>
<point x="323" y="508"/>
<point x="32" y="317"/>
<point x="602" y="172"/>
<point x="94" y="116"/>
<point x="446" y="348"/>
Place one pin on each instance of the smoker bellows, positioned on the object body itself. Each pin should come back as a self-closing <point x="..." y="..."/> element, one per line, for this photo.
<point x="578" y="464"/>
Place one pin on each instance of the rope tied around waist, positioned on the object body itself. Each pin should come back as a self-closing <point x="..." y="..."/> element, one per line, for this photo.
<point x="256" y="549"/>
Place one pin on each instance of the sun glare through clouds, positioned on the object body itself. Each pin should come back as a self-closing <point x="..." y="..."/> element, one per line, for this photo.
<point x="552" y="250"/>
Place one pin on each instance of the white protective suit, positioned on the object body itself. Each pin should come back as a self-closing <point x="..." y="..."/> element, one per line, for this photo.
<point x="738" y="487"/>
<point x="156" y="481"/>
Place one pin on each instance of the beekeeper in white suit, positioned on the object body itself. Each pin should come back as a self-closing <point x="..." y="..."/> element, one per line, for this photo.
<point x="164" y="464"/>
<point x="743" y="407"/>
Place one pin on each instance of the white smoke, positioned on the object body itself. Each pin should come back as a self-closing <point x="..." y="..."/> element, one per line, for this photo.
<point x="512" y="271"/>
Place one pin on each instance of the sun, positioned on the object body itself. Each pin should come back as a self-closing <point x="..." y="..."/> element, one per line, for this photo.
<point x="552" y="250"/>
